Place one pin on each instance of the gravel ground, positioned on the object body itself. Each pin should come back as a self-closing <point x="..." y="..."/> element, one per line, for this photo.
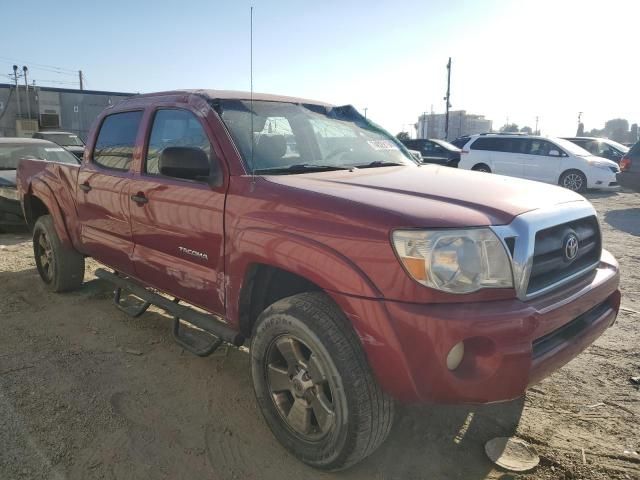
<point x="89" y="393"/>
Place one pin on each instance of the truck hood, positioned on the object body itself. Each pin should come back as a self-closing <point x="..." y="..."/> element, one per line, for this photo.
<point x="433" y="196"/>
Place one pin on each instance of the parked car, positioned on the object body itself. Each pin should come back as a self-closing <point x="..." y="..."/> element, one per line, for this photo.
<point x="435" y="151"/>
<point x="11" y="151"/>
<point x="601" y="147"/>
<point x="357" y="287"/>
<point x="629" y="176"/>
<point x="68" y="140"/>
<point x="545" y="159"/>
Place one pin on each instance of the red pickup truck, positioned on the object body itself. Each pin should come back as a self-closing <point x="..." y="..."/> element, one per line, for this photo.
<point x="361" y="278"/>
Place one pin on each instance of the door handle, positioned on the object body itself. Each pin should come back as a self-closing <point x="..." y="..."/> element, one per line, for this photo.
<point x="139" y="198"/>
<point x="85" y="187"/>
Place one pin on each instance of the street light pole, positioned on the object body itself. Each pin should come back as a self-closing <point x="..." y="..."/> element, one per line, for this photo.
<point x="15" y="79"/>
<point x="447" y="98"/>
<point x="26" y="90"/>
<point x="365" y="111"/>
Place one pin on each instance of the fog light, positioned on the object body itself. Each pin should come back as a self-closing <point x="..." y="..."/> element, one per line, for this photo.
<point x="454" y="358"/>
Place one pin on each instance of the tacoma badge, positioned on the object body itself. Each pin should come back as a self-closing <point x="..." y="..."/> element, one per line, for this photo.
<point x="193" y="253"/>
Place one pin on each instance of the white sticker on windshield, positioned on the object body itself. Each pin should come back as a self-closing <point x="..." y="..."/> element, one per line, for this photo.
<point x="382" y="145"/>
<point x="55" y="149"/>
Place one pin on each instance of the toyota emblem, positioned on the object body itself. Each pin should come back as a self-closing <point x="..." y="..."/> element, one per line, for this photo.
<point x="571" y="246"/>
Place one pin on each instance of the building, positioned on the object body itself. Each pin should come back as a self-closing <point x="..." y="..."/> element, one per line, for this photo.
<point x="460" y="123"/>
<point x="45" y="108"/>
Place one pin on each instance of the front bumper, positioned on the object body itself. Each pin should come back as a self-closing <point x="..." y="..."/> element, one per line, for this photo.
<point x="509" y="344"/>
<point x="602" y="179"/>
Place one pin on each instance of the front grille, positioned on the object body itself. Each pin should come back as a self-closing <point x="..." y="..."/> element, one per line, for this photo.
<point x="550" y="264"/>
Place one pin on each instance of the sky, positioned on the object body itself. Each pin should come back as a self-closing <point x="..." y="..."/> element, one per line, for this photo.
<point x="512" y="60"/>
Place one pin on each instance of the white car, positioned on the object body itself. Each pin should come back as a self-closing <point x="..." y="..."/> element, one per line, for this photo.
<point x="545" y="159"/>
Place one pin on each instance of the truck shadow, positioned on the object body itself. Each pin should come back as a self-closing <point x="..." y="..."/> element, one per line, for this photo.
<point x="157" y="412"/>
<point x="627" y="220"/>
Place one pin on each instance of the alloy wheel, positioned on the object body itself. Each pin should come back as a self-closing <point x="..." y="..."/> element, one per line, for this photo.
<point x="45" y="257"/>
<point x="300" y="388"/>
<point x="572" y="181"/>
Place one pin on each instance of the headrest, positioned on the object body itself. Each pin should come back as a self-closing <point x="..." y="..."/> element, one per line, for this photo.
<point x="271" y="147"/>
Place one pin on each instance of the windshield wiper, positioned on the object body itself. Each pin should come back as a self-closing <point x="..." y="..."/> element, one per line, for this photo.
<point x="379" y="163"/>
<point x="300" y="168"/>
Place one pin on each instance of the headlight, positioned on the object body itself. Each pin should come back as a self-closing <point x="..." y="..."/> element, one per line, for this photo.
<point x="456" y="261"/>
<point x="10" y="193"/>
<point x="600" y="164"/>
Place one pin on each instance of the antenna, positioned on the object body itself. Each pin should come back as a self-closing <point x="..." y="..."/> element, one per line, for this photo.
<point x="253" y="177"/>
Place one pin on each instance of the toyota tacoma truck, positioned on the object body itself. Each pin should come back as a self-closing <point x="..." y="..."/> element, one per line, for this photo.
<point x="358" y="278"/>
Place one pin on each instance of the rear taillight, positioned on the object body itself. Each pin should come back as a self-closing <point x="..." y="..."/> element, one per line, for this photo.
<point x="625" y="164"/>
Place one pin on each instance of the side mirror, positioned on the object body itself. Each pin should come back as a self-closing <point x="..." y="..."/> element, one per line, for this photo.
<point x="189" y="163"/>
<point x="554" y="153"/>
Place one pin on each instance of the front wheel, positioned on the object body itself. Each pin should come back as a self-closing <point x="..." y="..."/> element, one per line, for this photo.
<point x="574" y="180"/>
<point x="313" y="384"/>
<point x="61" y="268"/>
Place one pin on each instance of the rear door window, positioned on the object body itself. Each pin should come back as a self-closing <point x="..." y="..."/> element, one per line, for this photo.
<point x="496" y="144"/>
<point x="484" y="143"/>
<point x="116" y="140"/>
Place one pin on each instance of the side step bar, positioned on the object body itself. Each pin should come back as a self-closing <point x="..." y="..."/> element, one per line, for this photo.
<point x="209" y="323"/>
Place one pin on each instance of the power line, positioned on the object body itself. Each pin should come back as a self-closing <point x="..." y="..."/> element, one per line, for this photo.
<point x="61" y="69"/>
<point x="49" y="70"/>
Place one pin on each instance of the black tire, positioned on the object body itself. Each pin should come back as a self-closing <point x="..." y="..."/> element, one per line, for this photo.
<point x="481" y="167"/>
<point x="61" y="269"/>
<point x="355" y="414"/>
<point x="573" y="180"/>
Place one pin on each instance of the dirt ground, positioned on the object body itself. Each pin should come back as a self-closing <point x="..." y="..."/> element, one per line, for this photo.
<point x="89" y="393"/>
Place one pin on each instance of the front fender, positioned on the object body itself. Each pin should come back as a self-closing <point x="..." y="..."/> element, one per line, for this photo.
<point x="318" y="263"/>
<point x="341" y="279"/>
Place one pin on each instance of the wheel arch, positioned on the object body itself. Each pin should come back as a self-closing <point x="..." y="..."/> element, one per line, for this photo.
<point x="266" y="266"/>
<point x="40" y="200"/>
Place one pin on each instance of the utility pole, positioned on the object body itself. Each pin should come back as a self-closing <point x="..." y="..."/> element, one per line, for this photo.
<point x="81" y="79"/>
<point x="536" y="131"/>
<point x="424" y="124"/>
<point x="365" y="111"/>
<point x="15" y="79"/>
<point x="26" y="89"/>
<point x="447" y="98"/>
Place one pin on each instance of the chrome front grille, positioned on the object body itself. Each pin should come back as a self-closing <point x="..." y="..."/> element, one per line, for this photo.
<point x="536" y="242"/>
<point x="550" y="264"/>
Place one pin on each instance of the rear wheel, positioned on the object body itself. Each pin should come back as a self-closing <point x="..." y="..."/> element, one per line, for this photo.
<point x="61" y="268"/>
<point x="481" y="167"/>
<point x="574" y="180"/>
<point x="313" y="384"/>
